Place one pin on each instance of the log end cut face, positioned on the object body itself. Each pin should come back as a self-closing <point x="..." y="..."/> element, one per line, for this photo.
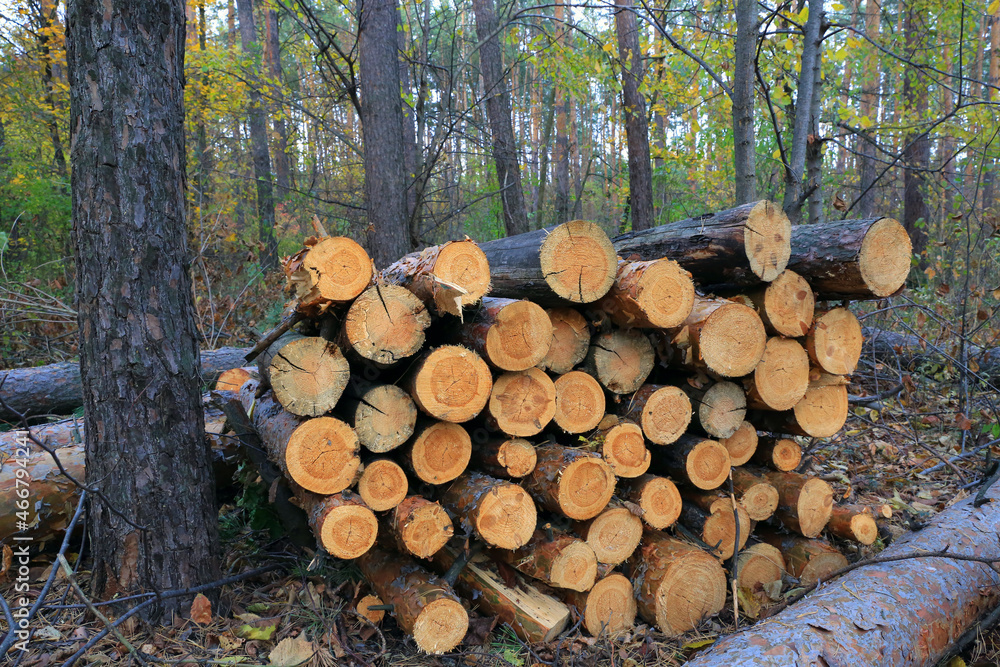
<point x="610" y="606"/>
<point x="585" y="487"/>
<point x="822" y="411"/>
<point x="335" y="270"/>
<point x="723" y="408"/>
<point x="322" y="455"/>
<point x="452" y="384"/>
<point x="885" y="257"/>
<point x="426" y="529"/>
<point x="614" y="535"/>
<point x="364" y="608"/>
<point x="708" y="465"/>
<point x="507" y="516"/>
<point x="692" y="589"/>
<point x="441" y="452"/>
<point x="570" y="340"/>
<point x="660" y="502"/>
<point x="742" y="444"/>
<point x="814" y="507"/>
<point x="820" y="566"/>
<point x="461" y="265"/>
<point x="625" y="450"/>
<point x="760" y="500"/>
<point x="732" y="340"/>
<point x="666" y="415"/>
<point x="233" y="379"/>
<point x="348" y="531"/>
<point x="864" y="528"/>
<point x="767" y="240"/>
<point x="578" y="261"/>
<point x="760" y="565"/>
<point x="382" y="485"/>
<point x="523" y="403"/>
<point x="440" y="626"/>
<point x="720" y="528"/>
<point x="384" y="418"/>
<point x="518" y="457"/>
<point x="786" y="455"/>
<point x="386" y="324"/>
<point x="520" y="337"/>
<point x="622" y="359"/>
<point x="790" y="304"/>
<point x="575" y="567"/>
<point x="782" y="376"/>
<point x="579" y="402"/>
<point x="308" y="376"/>
<point x="665" y="294"/>
<point x="835" y="341"/>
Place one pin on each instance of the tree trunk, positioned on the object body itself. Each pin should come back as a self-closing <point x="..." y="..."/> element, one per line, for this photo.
<point x="138" y="340"/>
<point x="917" y="153"/>
<point x="282" y="171"/>
<point x="871" y="84"/>
<point x="795" y="171"/>
<point x="814" y="143"/>
<point x="744" y="144"/>
<point x="562" y="111"/>
<point x="989" y="169"/>
<point x="640" y="173"/>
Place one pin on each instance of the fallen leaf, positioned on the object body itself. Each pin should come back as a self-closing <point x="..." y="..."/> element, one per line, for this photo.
<point x="201" y="610"/>
<point x="291" y="651"/>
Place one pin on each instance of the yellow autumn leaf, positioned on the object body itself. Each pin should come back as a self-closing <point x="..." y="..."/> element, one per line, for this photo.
<point x="250" y="632"/>
<point x="609" y="48"/>
<point x="994" y="7"/>
<point x="231" y="238"/>
<point x="698" y="643"/>
<point x="789" y="44"/>
<point x="776" y="154"/>
<point x="837" y="7"/>
<point x="804" y="14"/>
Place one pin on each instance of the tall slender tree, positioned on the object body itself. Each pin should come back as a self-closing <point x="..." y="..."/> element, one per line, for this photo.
<point x="870" y="86"/>
<point x="917" y="147"/>
<point x="282" y="170"/>
<point x="640" y="170"/>
<point x="795" y="170"/>
<point x="560" y="156"/>
<point x="744" y="143"/>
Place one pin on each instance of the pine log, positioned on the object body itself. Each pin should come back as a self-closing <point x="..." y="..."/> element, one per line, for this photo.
<point x="384" y="325"/>
<point x="451" y="383"/>
<point x="808" y="560"/>
<point x="234" y="378"/>
<point x="606" y="609"/>
<point x="821" y="413"/>
<point x="654" y="294"/>
<point x="663" y="412"/>
<point x="52" y="497"/>
<point x="319" y="454"/>
<point x="740" y="246"/>
<point x="419" y="527"/>
<point x="716" y="529"/>
<point x="342" y="523"/>
<point x="804" y="503"/>
<point x="446" y="277"/>
<point x="620" y="359"/>
<point x="698" y="461"/>
<point x="327" y="272"/>
<point x="423" y="605"/>
<point x="781" y="378"/>
<point x="741" y="445"/>
<point x="719" y="407"/>
<point x="364" y="608"/>
<point x="572" y="482"/>
<point x="503" y="457"/>
<point x="522" y="403"/>
<point x="760" y="567"/>
<point x="307" y="374"/>
<point x="579" y="402"/>
<point x="382" y="484"/>
<point x="509" y="334"/>
<point x="574" y="261"/>
<point x="852" y="259"/>
<point x="622" y="446"/>
<point x="383" y="416"/>
<point x="564" y="561"/>
<point x="785" y="306"/>
<point x="657" y="497"/>
<point x="756" y="494"/>
<point x="834" y="341"/>
<point x="570" y="340"/>
<point x="677" y="585"/>
<point x="724" y="336"/>
<point x="613" y="534"/>
<point x="779" y="454"/>
<point x="851" y="522"/>
<point x="502" y="514"/>
<point x="439" y="452"/>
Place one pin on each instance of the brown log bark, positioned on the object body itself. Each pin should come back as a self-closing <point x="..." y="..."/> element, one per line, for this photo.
<point x="653" y="294"/>
<point x="779" y="454"/>
<point x="781" y="378"/>
<point x="419" y="527"/>
<point x="741" y="445"/>
<point x="657" y="497"/>
<point x="572" y="482"/>
<point x="740" y="246"/>
<point x="761" y="566"/>
<point x="695" y="460"/>
<point x="622" y="446"/>
<point x="608" y="608"/>
<point x="808" y="560"/>
<point x="719" y="407"/>
<point x="439" y="452"/>
<point x="614" y="534"/>
<point x="620" y="359"/>
<point x="821" y="413"/>
<point x="504" y="457"/>
<point x="451" y="383"/>
<point x="716" y="529"/>
<point x="382" y="484"/>
<point x="570" y="340"/>
<point x="328" y="272"/>
<point x="502" y="514"/>
<point x="446" y="277"/>
<point x="564" y="561"/>
<point x="342" y="523"/>
<point x="579" y="402"/>
<point x="52" y="497"/>
<point x="851" y="522"/>
<point x="786" y="305"/>
<point x="663" y="412"/>
<point x="307" y="374"/>
<point x="523" y="403"/>
<point x="384" y="417"/>
<point x="509" y="334"/>
<point x="834" y="341"/>
<point x="756" y="494"/>
<point x="385" y="325"/>
<point x="804" y="503"/>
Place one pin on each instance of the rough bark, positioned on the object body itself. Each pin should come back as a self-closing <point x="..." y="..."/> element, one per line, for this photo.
<point x="640" y="172"/>
<point x="556" y="558"/>
<point x="272" y="51"/>
<point x="744" y="144"/>
<point x="870" y="86"/>
<point x="445" y="277"/>
<point x="917" y="151"/>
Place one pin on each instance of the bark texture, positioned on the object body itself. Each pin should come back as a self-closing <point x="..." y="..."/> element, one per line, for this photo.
<point x="744" y="145"/>
<point x="640" y="172"/>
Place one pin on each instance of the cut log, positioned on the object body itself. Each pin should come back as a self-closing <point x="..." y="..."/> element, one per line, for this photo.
<point x="851" y="522"/>
<point x="572" y="482"/>
<point x="622" y="446"/>
<point x="504" y="457"/>
<point x="657" y="497"/>
<point x="663" y="412"/>
<point x="698" y="461"/>
<point x="419" y="527"/>
<point x="740" y="246"/>
<point x="445" y="277"/>
<point x="741" y="445"/>
<point x="808" y="560"/>
<point x="852" y="259"/>
<point x="342" y="523"/>
<point x="52" y="496"/>
<point x="781" y="378"/>
<point x="608" y="608"/>
<point x="613" y="534"/>
<point x="677" y="585"/>
<point x="716" y="529"/>
<point x="384" y="325"/>
<point x="564" y="561"/>
<point x="574" y="261"/>
<point x="804" y="503"/>
<point x="307" y="374"/>
<point x="451" y="383"/>
<point x="760" y="567"/>
<point x="319" y="454"/>
<point x="579" y="402"/>
<point x="424" y="606"/>
<point x="724" y="336"/>
<point x="502" y="514"/>
<point x="523" y="403"/>
<point x="719" y="407"/>
<point x="570" y="340"/>
<point x="439" y="453"/>
<point x="234" y="378"/>
<point x="511" y="335"/>
<point x="821" y="413"/>
<point x="779" y="454"/>
<point x="756" y="494"/>
<point x="834" y="341"/>
<point x="654" y="294"/>
<point x="382" y="485"/>
<point x="785" y="305"/>
<point x="327" y="272"/>
<point x="620" y="359"/>
<point x="364" y="608"/>
<point x="383" y="417"/>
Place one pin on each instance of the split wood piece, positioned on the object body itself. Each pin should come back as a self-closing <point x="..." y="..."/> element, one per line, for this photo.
<point x="785" y="305"/>
<point x="779" y="454"/>
<point x="620" y="359"/>
<point x="501" y="513"/>
<point x="717" y="529"/>
<point x="570" y="340"/>
<point x="653" y="294"/>
<point x="445" y="277"/>
<point x="657" y="497"/>
<point x="319" y="454"/>
<point x="419" y="527"/>
<point x="698" y="461"/>
<point x="724" y="336"/>
<point x="579" y="402"/>
<point x="383" y="417"/>
<point x="523" y="403"/>
<point x="719" y="407"/>
<point x="364" y="608"/>
<point x="451" y="383"/>
<point x="739" y="246"/>
<point x="608" y="608"/>
<point x="677" y="585"/>
<point x="781" y="378"/>
<point x="423" y="605"/>
<point x="385" y="325"/>
<point x="622" y="446"/>
<point x="572" y="482"/>
<point x="821" y="413"/>
<point x="613" y="534"/>
<point x="755" y="493"/>
<point x="741" y="445"/>
<point x="574" y="261"/>
<point x="327" y="272"/>
<point x="851" y="522"/>
<point x="511" y="335"/>
<point x="852" y="259"/>
<point x="440" y="452"/>
<point x="497" y="590"/>
<point x="834" y="341"/>
<point x="804" y="503"/>
<point x="564" y="561"/>
<point x="342" y="523"/>
<point x="234" y="378"/>
<point x="808" y="560"/>
<point x="761" y="566"/>
<point x="382" y="484"/>
<point x="307" y="374"/>
<point x="504" y="457"/>
<point x="663" y="412"/>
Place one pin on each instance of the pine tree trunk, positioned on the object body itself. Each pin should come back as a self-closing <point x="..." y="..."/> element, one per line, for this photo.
<point x="917" y="151"/>
<point x="282" y="171"/>
<point x="640" y="173"/>
<point x="744" y="144"/>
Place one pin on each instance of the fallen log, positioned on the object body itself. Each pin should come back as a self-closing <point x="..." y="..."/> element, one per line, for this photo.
<point x="503" y="457"/>
<point x="622" y="446"/>
<point x="502" y="514"/>
<point x="662" y="411"/>
<point x="613" y="534"/>
<point x="785" y="305"/>
<point x="579" y="402"/>
<point x="781" y="378"/>
<point x="657" y="497"/>
<point x="741" y="445"/>
<point x="307" y="374"/>
<point x="327" y="272"/>
<point x="522" y="403"/>
<point x="556" y="558"/>
<point x="620" y="359"/>
<point x="571" y="482"/>
<point x="908" y="349"/>
<point x="384" y="326"/>
<point x="510" y="334"/>
<point x="654" y="294"/>
<point x="450" y="383"/>
<point x="445" y="277"/>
